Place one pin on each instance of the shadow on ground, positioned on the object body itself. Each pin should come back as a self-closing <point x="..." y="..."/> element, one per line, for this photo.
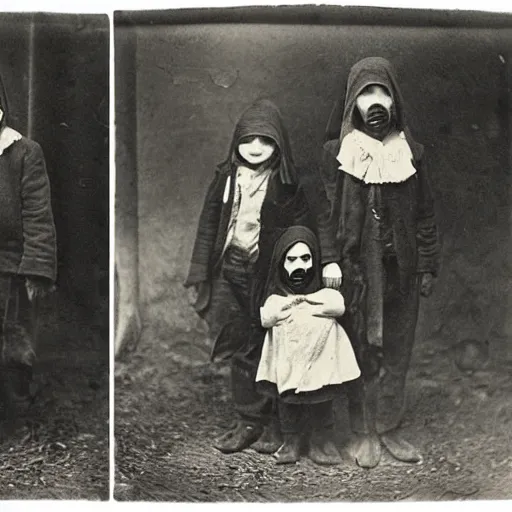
<point x="57" y="448"/>
<point x="170" y="404"/>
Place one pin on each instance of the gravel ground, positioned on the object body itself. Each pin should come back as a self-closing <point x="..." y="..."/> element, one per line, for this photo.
<point x="171" y="403"/>
<point x="57" y="447"/>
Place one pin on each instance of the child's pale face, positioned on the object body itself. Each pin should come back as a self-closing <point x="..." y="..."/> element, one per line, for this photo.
<point x="298" y="257"/>
<point x="373" y="95"/>
<point x="256" y="150"/>
<point x="374" y="104"/>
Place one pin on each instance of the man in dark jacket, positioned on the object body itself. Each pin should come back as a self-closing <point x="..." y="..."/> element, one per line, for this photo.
<point x="252" y="199"/>
<point x="377" y="181"/>
<point x="27" y="253"/>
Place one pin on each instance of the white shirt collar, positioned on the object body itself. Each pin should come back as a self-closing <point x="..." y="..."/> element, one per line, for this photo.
<point x="8" y="137"/>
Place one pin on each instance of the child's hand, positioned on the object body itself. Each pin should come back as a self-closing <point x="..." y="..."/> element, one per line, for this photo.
<point x="281" y="317"/>
<point x="275" y="311"/>
<point x="332" y="276"/>
<point x="38" y="287"/>
<point x="295" y="300"/>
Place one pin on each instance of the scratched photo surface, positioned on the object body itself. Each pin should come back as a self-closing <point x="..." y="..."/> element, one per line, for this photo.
<point x="54" y="402"/>
<point x="183" y="79"/>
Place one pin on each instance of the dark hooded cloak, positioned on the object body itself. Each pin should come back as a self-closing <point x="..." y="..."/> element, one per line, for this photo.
<point x="27" y="231"/>
<point x="376" y="221"/>
<point x="292" y="236"/>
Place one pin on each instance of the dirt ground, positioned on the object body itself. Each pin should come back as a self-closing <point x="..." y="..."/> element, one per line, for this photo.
<point x="171" y="403"/>
<point x="58" y="446"/>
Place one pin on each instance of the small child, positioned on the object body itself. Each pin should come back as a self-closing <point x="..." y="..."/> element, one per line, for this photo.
<point x="306" y="354"/>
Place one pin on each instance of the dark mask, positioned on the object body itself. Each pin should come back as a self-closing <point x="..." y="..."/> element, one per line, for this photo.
<point x="378" y="120"/>
<point x="298" y="280"/>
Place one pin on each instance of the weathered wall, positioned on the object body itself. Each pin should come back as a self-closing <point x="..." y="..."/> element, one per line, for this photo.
<point x="193" y="82"/>
<point x="69" y="93"/>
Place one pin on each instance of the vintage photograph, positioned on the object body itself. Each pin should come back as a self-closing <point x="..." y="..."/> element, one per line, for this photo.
<point x="312" y="264"/>
<point x="54" y="256"/>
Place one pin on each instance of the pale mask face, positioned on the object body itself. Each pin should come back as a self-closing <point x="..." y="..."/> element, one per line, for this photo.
<point x="298" y="258"/>
<point x="298" y="268"/>
<point x="375" y="106"/>
<point x="256" y="150"/>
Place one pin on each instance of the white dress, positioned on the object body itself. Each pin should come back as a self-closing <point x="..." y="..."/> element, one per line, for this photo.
<point x="310" y="349"/>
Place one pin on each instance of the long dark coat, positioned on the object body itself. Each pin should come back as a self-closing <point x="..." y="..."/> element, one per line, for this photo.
<point x="410" y="219"/>
<point x="27" y="230"/>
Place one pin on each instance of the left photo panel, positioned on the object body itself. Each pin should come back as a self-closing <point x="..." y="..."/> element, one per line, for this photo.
<point x="54" y="256"/>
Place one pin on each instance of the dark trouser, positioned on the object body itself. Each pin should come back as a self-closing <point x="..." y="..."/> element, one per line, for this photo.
<point x="250" y="405"/>
<point x="17" y="341"/>
<point x="292" y="417"/>
<point x="379" y="403"/>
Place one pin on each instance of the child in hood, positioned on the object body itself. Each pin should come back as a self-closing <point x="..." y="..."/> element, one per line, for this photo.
<point x="306" y="354"/>
<point x="254" y="196"/>
<point x="382" y="201"/>
<point x="27" y="253"/>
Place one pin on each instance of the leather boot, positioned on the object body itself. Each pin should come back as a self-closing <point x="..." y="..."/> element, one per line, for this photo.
<point x="399" y="448"/>
<point x="289" y="452"/>
<point x="270" y="440"/>
<point x="238" y="438"/>
<point x="322" y="449"/>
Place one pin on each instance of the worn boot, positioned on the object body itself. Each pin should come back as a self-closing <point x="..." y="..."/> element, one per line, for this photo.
<point x="322" y="449"/>
<point x="399" y="448"/>
<point x="270" y="440"/>
<point x="367" y="450"/>
<point x="238" y="438"/>
<point x="289" y="453"/>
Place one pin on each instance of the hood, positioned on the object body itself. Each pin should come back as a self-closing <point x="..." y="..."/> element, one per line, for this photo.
<point x="289" y="238"/>
<point x="369" y="71"/>
<point x="263" y="118"/>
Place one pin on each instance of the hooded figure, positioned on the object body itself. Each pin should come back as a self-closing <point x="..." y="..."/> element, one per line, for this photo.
<point x="382" y="202"/>
<point x="306" y="355"/>
<point x="27" y="252"/>
<point x="252" y="199"/>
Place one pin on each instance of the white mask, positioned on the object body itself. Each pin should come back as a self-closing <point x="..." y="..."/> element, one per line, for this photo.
<point x="298" y="257"/>
<point x="257" y="150"/>
<point x="374" y="95"/>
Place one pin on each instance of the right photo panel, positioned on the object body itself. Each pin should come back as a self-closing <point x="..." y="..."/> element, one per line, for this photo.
<point x="312" y="255"/>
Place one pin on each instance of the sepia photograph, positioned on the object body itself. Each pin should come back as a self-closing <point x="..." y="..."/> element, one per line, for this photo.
<point x="54" y="256"/>
<point x="312" y="255"/>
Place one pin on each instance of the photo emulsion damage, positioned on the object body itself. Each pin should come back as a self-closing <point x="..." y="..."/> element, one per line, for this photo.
<point x="54" y="256"/>
<point x="312" y="255"/>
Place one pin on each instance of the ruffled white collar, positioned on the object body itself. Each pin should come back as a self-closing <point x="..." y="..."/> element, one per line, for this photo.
<point x="376" y="162"/>
<point x="8" y="137"/>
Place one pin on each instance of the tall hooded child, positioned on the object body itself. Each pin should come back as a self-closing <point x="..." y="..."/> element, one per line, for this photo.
<point x="389" y="251"/>
<point x="253" y="197"/>
<point x="306" y="354"/>
<point x="27" y="255"/>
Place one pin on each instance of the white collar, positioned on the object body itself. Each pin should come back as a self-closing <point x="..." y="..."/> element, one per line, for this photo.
<point x="8" y="137"/>
<point x="376" y="162"/>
